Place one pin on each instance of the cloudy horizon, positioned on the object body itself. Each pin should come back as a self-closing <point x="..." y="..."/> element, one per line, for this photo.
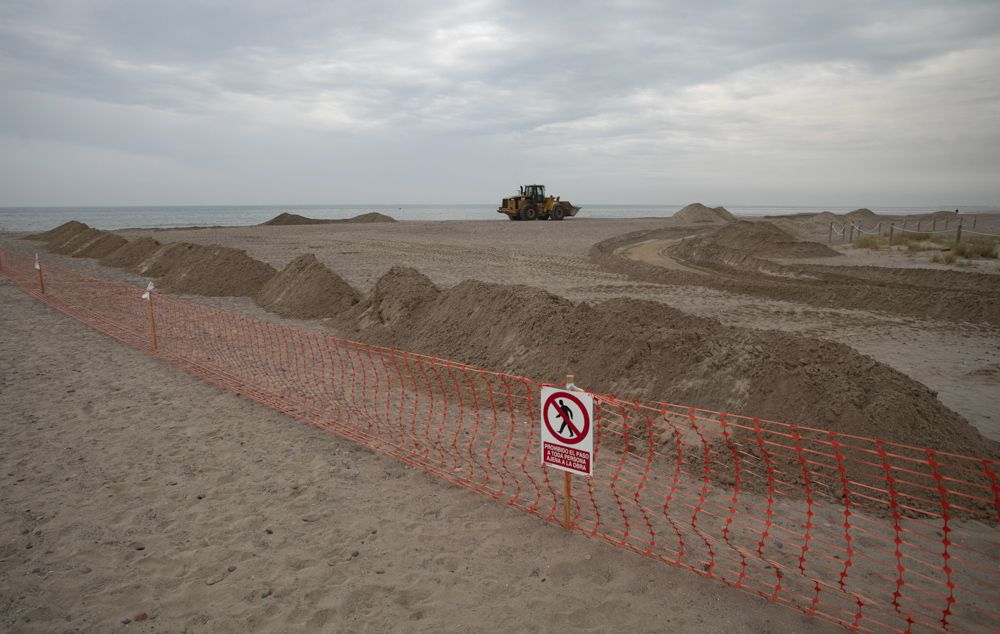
<point x="775" y="103"/>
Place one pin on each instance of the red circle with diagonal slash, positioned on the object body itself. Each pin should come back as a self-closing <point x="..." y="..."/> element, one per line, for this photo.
<point x="582" y="432"/>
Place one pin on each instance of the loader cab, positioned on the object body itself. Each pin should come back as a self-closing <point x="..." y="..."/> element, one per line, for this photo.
<point x="534" y="193"/>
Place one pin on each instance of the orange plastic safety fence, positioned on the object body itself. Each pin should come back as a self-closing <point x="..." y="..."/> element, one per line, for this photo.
<point x="873" y="535"/>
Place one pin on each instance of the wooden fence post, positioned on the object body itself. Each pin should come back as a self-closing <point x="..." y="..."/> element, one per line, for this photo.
<point x="41" y="278"/>
<point x="148" y="296"/>
<point x="568" y="493"/>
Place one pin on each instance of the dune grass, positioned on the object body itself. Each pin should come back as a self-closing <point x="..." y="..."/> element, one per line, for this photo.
<point x="949" y="251"/>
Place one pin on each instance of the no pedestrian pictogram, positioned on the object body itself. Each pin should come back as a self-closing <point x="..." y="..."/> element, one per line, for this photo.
<point x="567" y="430"/>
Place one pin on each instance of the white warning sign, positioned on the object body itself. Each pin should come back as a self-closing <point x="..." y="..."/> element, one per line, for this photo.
<point x="568" y="430"/>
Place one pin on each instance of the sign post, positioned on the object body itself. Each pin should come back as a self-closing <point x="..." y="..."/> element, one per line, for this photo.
<point x="567" y="436"/>
<point x="41" y="278"/>
<point x="148" y="296"/>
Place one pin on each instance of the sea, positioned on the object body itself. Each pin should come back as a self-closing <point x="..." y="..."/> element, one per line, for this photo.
<point x="16" y="219"/>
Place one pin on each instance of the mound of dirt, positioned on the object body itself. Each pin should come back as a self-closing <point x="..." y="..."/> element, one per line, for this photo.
<point x="131" y="253"/>
<point x="287" y="219"/>
<point x="372" y="216"/>
<point x="863" y="216"/>
<point x="105" y="244"/>
<point x="59" y="234"/>
<point x="306" y="289"/>
<point x="398" y="295"/>
<point x="764" y="239"/>
<point x="212" y="270"/>
<point x="824" y="218"/>
<point x="699" y="213"/>
<point x="647" y="350"/>
<point x="76" y="242"/>
<point x="747" y="245"/>
<point x="164" y="259"/>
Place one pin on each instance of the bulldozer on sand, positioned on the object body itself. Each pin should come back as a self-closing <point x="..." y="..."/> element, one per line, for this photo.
<point x="532" y="204"/>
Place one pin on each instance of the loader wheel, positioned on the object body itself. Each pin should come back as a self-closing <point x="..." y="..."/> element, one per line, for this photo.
<point x="529" y="212"/>
<point x="558" y="213"/>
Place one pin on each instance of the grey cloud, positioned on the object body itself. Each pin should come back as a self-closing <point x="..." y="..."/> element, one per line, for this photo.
<point x="629" y="88"/>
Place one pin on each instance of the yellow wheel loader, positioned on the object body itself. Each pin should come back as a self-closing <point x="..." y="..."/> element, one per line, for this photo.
<point x="532" y="204"/>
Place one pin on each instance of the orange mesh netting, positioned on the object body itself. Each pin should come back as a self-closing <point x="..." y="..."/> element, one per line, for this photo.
<point x="873" y="535"/>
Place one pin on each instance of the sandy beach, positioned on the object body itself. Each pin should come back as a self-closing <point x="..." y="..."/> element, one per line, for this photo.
<point x="136" y="496"/>
<point x="130" y="488"/>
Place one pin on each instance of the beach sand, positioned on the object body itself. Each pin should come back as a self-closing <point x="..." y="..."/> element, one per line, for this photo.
<point x="130" y="488"/>
<point x="107" y="450"/>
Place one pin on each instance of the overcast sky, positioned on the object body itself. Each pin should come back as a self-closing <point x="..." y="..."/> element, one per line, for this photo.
<point x="106" y="102"/>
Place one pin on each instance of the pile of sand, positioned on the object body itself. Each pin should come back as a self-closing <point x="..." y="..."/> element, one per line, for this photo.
<point x="306" y="289"/>
<point x="205" y="270"/>
<point x="105" y="244"/>
<point x="647" y="350"/>
<point x="397" y="296"/>
<point x="76" y="242"/>
<point x="212" y="270"/>
<point x="746" y="245"/>
<point x="285" y="219"/>
<point x="164" y="259"/>
<point x="863" y="216"/>
<point x="699" y="213"/>
<point x="131" y="253"/>
<point x="764" y="239"/>
<point x="59" y="234"/>
<point x="189" y="268"/>
<point x="637" y="349"/>
<point x="822" y="220"/>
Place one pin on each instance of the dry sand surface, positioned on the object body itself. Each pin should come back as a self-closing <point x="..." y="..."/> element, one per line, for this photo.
<point x="130" y="489"/>
<point x="730" y="303"/>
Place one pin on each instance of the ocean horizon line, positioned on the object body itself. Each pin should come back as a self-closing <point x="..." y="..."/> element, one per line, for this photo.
<point x="22" y="218"/>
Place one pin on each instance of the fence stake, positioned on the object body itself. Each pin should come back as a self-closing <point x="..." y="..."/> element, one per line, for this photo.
<point x="41" y="278"/>
<point x="148" y="296"/>
<point x="958" y="232"/>
<point x="152" y="321"/>
<point x="891" y="227"/>
<point x="934" y="225"/>
<point x="918" y="226"/>
<point x="830" y="239"/>
<point x="974" y="221"/>
<point x="568" y="494"/>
